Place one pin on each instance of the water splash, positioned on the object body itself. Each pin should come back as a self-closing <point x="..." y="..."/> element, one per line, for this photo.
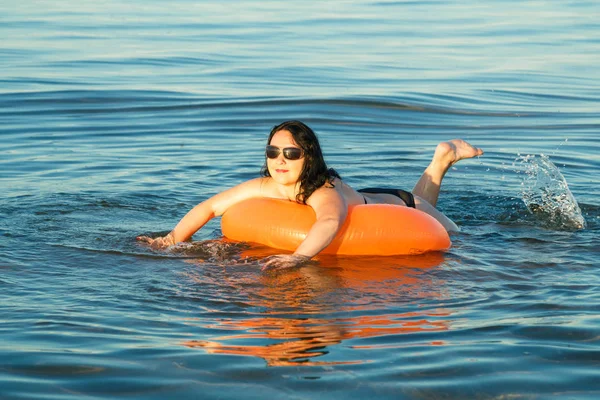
<point x="215" y="251"/>
<point x="547" y="195"/>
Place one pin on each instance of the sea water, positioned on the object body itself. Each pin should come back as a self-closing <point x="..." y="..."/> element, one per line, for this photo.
<point x="116" y="118"/>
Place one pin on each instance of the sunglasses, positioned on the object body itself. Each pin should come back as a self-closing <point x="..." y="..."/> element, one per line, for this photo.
<point x="289" y="153"/>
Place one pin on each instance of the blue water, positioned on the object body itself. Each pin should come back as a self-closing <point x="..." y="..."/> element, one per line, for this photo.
<point x="117" y="117"/>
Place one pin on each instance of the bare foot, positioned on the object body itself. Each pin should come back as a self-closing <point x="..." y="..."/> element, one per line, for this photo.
<point x="451" y="152"/>
<point x="446" y="154"/>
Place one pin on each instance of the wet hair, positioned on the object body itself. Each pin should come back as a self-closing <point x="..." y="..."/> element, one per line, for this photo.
<point x="314" y="173"/>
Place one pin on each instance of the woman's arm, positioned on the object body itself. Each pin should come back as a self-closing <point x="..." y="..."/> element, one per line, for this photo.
<point x="198" y="216"/>
<point x="331" y="210"/>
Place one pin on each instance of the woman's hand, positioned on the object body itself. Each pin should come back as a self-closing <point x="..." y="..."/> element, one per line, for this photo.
<point x="281" y="262"/>
<point x="161" y="242"/>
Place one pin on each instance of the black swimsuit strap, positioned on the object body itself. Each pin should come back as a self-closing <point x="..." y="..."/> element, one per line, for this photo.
<point x="406" y="197"/>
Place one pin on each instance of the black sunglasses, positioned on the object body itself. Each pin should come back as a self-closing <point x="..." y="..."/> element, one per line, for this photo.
<point x="289" y="153"/>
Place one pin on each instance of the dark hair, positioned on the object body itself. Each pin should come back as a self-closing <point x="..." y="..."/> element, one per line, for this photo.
<point x="314" y="172"/>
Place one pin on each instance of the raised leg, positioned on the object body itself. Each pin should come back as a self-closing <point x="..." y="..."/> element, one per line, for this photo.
<point x="446" y="154"/>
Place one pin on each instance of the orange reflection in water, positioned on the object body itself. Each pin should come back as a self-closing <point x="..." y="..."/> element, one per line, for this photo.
<point x="316" y="291"/>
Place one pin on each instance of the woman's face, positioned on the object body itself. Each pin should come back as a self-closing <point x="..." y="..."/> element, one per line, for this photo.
<point x="284" y="171"/>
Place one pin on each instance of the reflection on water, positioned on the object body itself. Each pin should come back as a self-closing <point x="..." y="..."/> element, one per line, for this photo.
<point x="311" y="309"/>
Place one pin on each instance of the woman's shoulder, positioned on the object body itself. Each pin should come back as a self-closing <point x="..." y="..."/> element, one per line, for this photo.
<point x="255" y="182"/>
<point x="264" y="186"/>
<point x="249" y="188"/>
<point x="243" y="191"/>
<point x="341" y="185"/>
<point x="335" y="187"/>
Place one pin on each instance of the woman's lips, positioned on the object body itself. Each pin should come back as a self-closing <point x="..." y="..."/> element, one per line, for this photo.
<point x="281" y="171"/>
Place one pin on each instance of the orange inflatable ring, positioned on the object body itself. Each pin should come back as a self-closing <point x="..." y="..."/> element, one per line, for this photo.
<point x="370" y="229"/>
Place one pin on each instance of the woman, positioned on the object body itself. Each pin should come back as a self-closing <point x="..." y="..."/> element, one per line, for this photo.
<point x="295" y="170"/>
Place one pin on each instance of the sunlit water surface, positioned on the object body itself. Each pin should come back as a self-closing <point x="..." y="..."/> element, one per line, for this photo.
<point x="116" y="119"/>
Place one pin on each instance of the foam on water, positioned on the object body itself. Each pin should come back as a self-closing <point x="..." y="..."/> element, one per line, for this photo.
<point x="546" y="194"/>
